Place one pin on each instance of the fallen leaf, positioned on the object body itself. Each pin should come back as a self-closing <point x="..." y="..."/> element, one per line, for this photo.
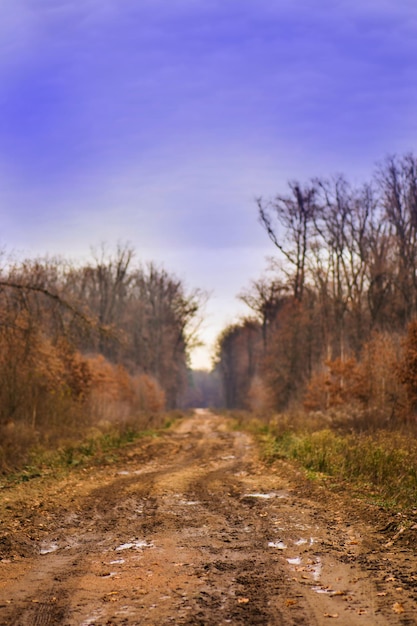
<point x="382" y="593"/>
<point x="290" y="602"/>
<point x="243" y="600"/>
<point x="398" y="608"/>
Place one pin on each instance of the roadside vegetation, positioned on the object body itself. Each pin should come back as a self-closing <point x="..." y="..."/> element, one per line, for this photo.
<point x="327" y="355"/>
<point x="89" y="354"/>
<point x="98" y="446"/>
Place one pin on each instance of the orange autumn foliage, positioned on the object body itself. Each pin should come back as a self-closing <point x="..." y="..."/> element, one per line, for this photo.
<point x="338" y="384"/>
<point x="113" y="384"/>
<point x="371" y="382"/>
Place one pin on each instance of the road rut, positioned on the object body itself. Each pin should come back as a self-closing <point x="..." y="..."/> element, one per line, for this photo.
<point x="192" y="528"/>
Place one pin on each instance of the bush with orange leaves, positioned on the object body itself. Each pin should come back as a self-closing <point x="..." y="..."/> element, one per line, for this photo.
<point x="407" y="372"/>
<point x="41" y="379"/>
<point x="116" y="396"/>
<point x="372" y="383"/>
<point x="338" y="384"/>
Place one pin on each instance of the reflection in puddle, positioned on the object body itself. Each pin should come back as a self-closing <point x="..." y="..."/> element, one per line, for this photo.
<point x="48" y="548"/>
<point x="265" y="496"/>
<point x="321" y="590"/>
<point x="300" y="542"/>
<point x="315" y="569"/>
<point x="277" y="544"/>
<point x="303" y="542"/>
<point x="134" y="544"/>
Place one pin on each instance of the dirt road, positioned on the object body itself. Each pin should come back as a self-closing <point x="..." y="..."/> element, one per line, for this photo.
<point x="191" y="528"/>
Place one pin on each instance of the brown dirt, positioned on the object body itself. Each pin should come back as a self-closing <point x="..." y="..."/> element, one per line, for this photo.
<point x="192" y="528"/>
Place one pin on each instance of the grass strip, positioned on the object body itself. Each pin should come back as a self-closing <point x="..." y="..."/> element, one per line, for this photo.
<point x="383" y="465"/>
<point x="99" y="449"/>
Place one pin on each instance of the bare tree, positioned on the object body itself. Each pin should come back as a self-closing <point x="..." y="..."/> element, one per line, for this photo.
<point x="287" y="220"/>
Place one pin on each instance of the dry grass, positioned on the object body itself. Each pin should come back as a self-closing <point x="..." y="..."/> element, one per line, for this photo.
<point x="380" y="463"/>
<point x="25" y="452"/>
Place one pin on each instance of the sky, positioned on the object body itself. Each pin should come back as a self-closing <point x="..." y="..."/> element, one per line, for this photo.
<point x="158" y="123"/>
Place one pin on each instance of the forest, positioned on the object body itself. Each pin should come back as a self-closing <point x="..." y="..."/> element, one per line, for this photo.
<point x="331" y="329"/>
<point x="87" y="346"/>
<point x="331" y="326"/>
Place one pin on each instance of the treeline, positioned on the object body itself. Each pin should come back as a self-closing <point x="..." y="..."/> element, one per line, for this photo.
<point x="81" y="345"/>
<point x="328" y="321"/>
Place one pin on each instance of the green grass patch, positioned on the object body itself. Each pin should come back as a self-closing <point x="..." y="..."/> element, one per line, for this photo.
<point x="382" y="465"/>
<point x="97" y="449"/>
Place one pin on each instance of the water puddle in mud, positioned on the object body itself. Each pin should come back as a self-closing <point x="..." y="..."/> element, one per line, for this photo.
<point x="117" y="562"/>
<point x="134" y="544"/>
<point x="322" y="590"/>
<point x="266" y="496"/>
<point x="315" y="569"/>
<point x="277" y="544"/>
<point x="304" y="542"/>
<point x="312" y="566"/>
<point x="48" y="548"/>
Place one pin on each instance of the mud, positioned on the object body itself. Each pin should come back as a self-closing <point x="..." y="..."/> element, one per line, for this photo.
<point x="191" y="528"/>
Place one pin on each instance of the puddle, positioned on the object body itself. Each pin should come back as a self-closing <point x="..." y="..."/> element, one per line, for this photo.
<point x="322" y="590"/>
<point x="190" y="502"/>
<point x="48" y="548"/>
<point x="134" y="544"/>
<point x="123" y="473"/>
<point x="300" y="542"/>
<point x="265" y="496"/>
<point x="303" y="542"/>
<point x="277" y="544"/>
<point x="257" y="495"/>
<point x="228" y="457"/>
<point x="117" y="562"/>
<point x="312" y="567"/>
<point x="315" y="569"/>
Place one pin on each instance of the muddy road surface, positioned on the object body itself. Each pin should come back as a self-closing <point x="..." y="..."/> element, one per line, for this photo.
<point x="192" y="528"/>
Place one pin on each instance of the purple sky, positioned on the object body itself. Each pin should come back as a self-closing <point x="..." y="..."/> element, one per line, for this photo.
<point x="158" y="122"/>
